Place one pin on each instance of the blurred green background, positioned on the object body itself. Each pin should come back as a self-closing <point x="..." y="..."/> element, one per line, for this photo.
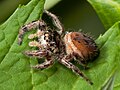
<point x="74" y="14"/>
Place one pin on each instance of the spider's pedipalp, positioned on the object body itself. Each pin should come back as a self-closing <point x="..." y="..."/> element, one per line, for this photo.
<point x="56" y="21"/>
<point x="65" y="61"/>
<point x="36" y="53"/>
<point x="26" y="28"/>
<point x="32" y="36"/>
<point x="38" y="34"/>
<point x="35" y="44"/>
<point x="39" y="24"/>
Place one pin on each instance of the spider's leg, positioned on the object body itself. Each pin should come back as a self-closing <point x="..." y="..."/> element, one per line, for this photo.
<point x="49" y="61"/>
<point x="30" y="26"/>
<point x="56" y="21"/>
<point x="65" y="61"/>
<point x="36" y="53"/>
<point x="82" y="64"/>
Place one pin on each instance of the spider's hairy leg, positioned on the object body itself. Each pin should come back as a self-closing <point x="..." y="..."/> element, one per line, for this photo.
<point x="48" y="62"/>
<point x="40" y="24"/>
<point x="65" y="61"/>
<point x="82" y="64"/>
<point x="36" y="53"/>
<point x="56" y="21"/>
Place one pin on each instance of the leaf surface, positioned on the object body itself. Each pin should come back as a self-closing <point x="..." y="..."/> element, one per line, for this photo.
<point x="15" y="70"/>
<point x="107" y="10"/>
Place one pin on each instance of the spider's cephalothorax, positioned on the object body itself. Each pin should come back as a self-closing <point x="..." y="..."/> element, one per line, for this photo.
<point x="53" y="44"/>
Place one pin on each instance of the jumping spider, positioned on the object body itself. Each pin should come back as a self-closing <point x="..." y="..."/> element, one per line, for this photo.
<point x="55" y="44"/>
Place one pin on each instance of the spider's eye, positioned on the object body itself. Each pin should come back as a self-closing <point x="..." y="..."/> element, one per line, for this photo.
<point x="43" y="26"/>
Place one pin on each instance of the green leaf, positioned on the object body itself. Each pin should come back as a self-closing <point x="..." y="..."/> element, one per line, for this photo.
<point x="107" y="10"/>
<point x="110" y="84"/>
<point x="50" y="3"/>
<point x="15" y="70"/>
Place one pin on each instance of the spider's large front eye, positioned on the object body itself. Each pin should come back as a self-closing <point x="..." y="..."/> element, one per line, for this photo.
<point x="42" y="27"/>
<point x="42" y="24"/>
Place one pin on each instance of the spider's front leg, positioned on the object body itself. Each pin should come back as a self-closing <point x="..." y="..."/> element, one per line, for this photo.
<point x="39" y="24"/>
<point x="56" y="21"/>
<point x="66" y="61"/>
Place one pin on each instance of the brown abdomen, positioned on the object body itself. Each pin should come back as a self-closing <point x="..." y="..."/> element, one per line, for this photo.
<point x="81" y="46"/>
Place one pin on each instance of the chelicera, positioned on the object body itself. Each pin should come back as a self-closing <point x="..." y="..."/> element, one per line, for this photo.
<point x="55" y="44"/>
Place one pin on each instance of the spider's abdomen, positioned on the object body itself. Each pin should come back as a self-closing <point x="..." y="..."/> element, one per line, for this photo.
<point x="80" y="45"/>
